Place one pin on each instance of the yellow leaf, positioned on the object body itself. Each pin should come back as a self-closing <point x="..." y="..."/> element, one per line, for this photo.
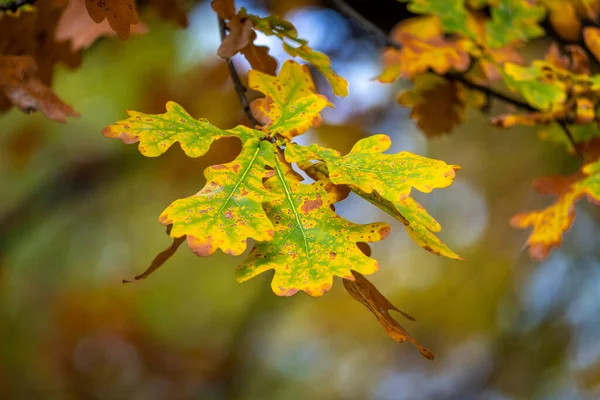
<point x="423" y="48"/>
<point x="291" y="106"/>
<point x="323" y="64"/>
<point x="591" y="35"/>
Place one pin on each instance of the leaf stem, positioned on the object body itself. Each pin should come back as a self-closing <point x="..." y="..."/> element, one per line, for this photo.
<point x="565" y="128"/>
<point x="15" y="5"/>
<point x="239" y="87"/>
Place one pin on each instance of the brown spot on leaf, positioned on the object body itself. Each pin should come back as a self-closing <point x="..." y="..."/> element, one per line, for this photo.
<point x="310" y="205"/>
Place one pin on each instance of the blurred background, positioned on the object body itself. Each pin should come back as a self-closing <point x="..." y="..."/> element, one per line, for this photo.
<point x="78" y="213"/>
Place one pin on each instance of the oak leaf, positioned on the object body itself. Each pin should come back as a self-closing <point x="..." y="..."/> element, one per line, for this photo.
<point x="258" y="57"/>
<point x="451" y="13"/>
<point x="22" y="87"/>
<point x="229" y="209"/>
<point x="291" y="106"/>
<point x="391" y="175"/>
<point x="363" y="291"/>
<point x="32" y="34"/>
<point x="238" y="38"/>
<point x="76" y="25"/>
<point x="550" y="223"/>
<point x="121" y="14"/>
<point x="513" y="20"/>
<point x="423" y="48"/>
<point x="274" y="25"/>
<point x="533" y="84"/>
<point x="322" y="63"/>
<point x="312" y="244"/>
<point x="437" y="104"/>
<point x="156" y="133"/>
<point x="416" y="220"/>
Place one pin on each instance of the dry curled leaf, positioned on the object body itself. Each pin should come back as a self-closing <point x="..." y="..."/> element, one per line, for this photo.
<point x="160" y="258"/>
<point x="20" y="84"/>
<point x="76" y="25"/>
<point x="121" y="14"/>
<point x="363" y="291"/>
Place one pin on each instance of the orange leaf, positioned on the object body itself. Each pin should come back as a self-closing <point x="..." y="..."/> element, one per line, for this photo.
<point x="121" y="14"/>
<point x="564" y="19"/>
<point x="550" y="223"/>
<point x="21" y="86"/>
<point x="591" y="36"/>
<point x="423" y="48"/>
<point x="363" y="291"/>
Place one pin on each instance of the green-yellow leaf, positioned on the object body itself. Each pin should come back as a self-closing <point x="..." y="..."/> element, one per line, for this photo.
<point x="417" y="221"/>
<point x="365" y="167"/>
<point x="291" y="105"/>
<point x="513" y="20"/>
<point x="553" y="133"/>
<point x="273" y="25"/>
<point x="452" y="13"/>
<point x="229" y="209"/>
<point x="529" y="82"/>
<point x="156" y="133"/>
<point x="421" y="228"/>
<point x="312" y="244"/>
<point x="323" y="64"/>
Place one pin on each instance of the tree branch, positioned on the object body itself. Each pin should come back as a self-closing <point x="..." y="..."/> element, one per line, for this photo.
<point x="239" y="87"/>
<point x="351" y="13"/>
<point x="15" y="5"/>
<point x="367" y="25"/>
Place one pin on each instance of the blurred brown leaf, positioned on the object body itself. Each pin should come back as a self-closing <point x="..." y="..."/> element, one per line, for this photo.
<point x="121" y="14"/>
<point x="21" y="86"/>
<point x="76" y="25"/>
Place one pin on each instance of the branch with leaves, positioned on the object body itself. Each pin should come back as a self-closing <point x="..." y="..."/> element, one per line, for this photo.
<point x="454" y="53"/>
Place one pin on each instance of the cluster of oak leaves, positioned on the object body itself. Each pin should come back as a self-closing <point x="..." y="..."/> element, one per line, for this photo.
<point x="456" y="53"/>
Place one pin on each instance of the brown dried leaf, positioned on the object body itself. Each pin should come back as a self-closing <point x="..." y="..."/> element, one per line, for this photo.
<point x="363" y="291"/>
<point x="23" y="89"/>
<point x="121" y="14"/>
<point x="76" y="25"/>
<point x="258" y="57"/>
<point x="160" y="258"/>
<point x="33" y="34"/>
<point x="225" y="9"/>
<point x="240" y="34"/>
<point x="436" y="104"/>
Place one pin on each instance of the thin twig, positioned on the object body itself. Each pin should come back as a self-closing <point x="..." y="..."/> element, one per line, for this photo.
<point x="565" y="128"/>
<point x="366" y="24"/>
<point x="15" y="5"/>
<point x="240" y="89"/>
